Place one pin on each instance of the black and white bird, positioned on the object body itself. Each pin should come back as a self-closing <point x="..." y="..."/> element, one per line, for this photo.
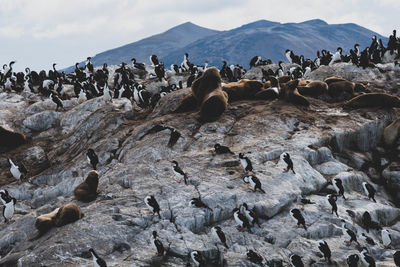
<point x="298" y="217"/>
<point x="288" y="54"/>
<point x="107" y="97"/>
<point x="18" y="172"/>
<point x="157" y="244"/>
<point x="295" y="261"/>
<point x="338" y="185"/>
<point x="185" y="63"/>
<point x="197" y="258"/>
<point x="246" y="163"/>
<point x="250" y="214"/>
<point x="254" y="182"/>
<point x="219" y="149"/>
<point x="219" y="235"/>
<point x="198" y="203"/>
<point x="332" y="201"/>
<point x="8" y="209"/>
<point x="97" y="260"/>
<point x="152" y="204"/>
<point x="92" y="158"/>
<point x="289" y="162"/>
<point x="254" y="257"/>
<point x="4" y="196"/>
<point x="366" y="258"/>
<point x="349" y="234"/>
<point x="154" y="60"/>
<point x="179" y="172"/>
<point x="386" y="238"/>
<point x="240" y="219"/>
<point x="396" y="258"/>
<point x="324" y="248"/>
<point x="337" y="56"/>
<point x="369" y="190"/>
<point x="57" y="100"/>
<point x="367" y="239"/>
<point x="139" y="66"/>
<point x="352" y="260"/>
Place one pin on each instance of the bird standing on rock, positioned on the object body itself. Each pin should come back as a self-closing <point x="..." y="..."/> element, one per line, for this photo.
<point x="219" y="235"/>
<point x="254" y="182"/>
<point x="57" y="100"/>
<point x="338" y="185"/>
<point x="349" y="234"/>
<point x="369" y="190"/>
<point x="289" y="162"/>
<point x="92" y="158"/>
<point x="179" y="172"/>
<point x="8" y="209"/>
<point x="18" y="172"/>
<point x="157" y="244"/>
<point x="324" y="248"/>
<point x="298" y="217"/>
<point x="240" y="219"/>
<point x="246" y="163"/>
<point x="152" y="204"/>
<point x="332" y="201"/>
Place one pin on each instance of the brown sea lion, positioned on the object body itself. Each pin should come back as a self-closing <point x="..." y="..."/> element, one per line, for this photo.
<point x="66" y="214"/>
<point x="87" y="190"/>
<point x="373" y="100"/>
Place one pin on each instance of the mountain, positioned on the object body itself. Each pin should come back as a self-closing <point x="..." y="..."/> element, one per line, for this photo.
<point x="271" y="39"/>
<point x="265" y="38"/>
<point x="159" y="44"/>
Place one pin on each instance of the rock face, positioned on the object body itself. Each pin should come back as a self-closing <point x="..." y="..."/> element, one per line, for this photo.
<point x="41" y="121"/>
<point x="323" y="141"/>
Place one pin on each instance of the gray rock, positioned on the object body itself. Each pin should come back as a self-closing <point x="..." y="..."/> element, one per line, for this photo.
<point x="41" y="121"/>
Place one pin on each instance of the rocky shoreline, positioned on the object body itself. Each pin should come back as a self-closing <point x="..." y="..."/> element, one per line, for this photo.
<point x="324" y="141"/>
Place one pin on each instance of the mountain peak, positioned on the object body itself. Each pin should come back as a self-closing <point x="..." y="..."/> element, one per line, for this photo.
<point x="259" y="24"/>
<point x="186" y="26"/>
<point x="315" y="22"/>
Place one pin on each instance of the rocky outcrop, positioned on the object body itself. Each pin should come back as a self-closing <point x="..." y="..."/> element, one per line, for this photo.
<point x="324" y="142"/>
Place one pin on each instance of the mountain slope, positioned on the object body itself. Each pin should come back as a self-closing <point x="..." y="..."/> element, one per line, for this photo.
<point x="271" y="39"/>
<point x="160" y="44"/>
<point x="237" y="46"/>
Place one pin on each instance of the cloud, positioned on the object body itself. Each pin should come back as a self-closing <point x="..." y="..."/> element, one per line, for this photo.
<point x="80" y="28"/>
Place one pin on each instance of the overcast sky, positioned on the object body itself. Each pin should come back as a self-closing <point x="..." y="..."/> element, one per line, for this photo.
<point x="40" y="32"/>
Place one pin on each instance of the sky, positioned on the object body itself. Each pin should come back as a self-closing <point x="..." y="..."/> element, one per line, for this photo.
<point x="41" y="32"/>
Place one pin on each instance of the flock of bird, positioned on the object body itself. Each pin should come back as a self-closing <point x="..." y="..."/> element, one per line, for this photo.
<point x="89" y="83"/>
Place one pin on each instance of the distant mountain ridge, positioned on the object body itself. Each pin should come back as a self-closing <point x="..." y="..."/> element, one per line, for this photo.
<point x="264" y="38"/>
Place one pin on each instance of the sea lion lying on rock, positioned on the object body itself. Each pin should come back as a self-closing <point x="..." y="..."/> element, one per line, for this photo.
<point x="244" y="89"/>
<point x="10" y="140"/>
<point x="314" y="88"/>
<point x="66" y="214"/>
<point x="290" y="93"/>
<point x="373" y="100"/>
